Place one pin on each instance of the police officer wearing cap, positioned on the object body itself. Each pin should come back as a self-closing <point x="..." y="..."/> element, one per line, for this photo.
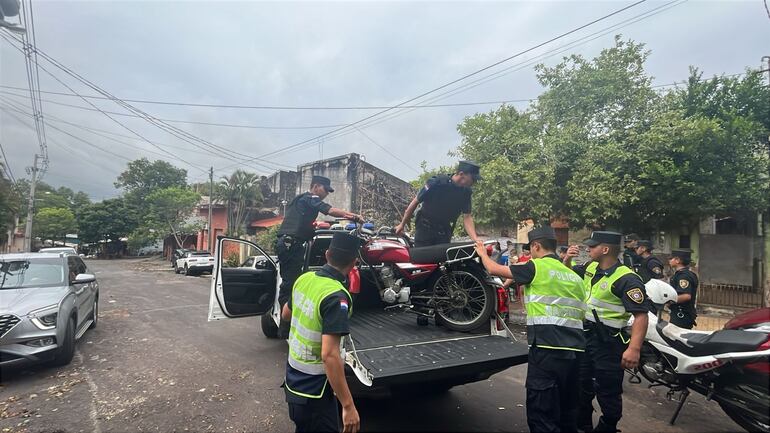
<point x="555" y="308"/>
<point x="613" y="293"/>
<point x="296" y="229"/>
<point x="649" y="266"/>
<point x="443" y="199"/>
<point x="685" y="282"/>
<point x="630" y="257"/>
<point x="319" y="310"/>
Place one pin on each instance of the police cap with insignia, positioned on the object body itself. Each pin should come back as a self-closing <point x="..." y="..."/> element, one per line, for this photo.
<point x="345" y="244"/>
<point x="631" y="237"/>
<point x="684" y="255"/>
<point x="599" y="237"/>
<point x="323" y="181"/>
<point x="541" y="233"/>
<point x="471" y="168"/>
<point x="645" y="243"/>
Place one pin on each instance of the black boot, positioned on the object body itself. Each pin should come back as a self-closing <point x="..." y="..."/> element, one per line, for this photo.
<point x="604" y="426"/>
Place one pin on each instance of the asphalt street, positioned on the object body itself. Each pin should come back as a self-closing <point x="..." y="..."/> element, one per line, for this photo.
<point x="155" y="364"/>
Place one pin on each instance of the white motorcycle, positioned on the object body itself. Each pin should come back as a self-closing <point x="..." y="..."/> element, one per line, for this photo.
<point x="710" y="363"/>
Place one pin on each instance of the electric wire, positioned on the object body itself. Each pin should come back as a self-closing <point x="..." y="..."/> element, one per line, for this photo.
<point x="7" y="166"/>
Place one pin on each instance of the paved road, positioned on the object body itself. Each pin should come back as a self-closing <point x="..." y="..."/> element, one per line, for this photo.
<point x="155" y="364"/>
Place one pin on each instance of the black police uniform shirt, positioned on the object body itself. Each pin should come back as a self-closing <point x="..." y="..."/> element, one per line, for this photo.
<point x="649" y="268"/>
<point x="686" y="283"/>
<point x="627" y="288"/>
<point x="443" y="201"/>
<point x="334" y="321"/>
<point x="300" y="214"/>
<point x="524" y="273"/>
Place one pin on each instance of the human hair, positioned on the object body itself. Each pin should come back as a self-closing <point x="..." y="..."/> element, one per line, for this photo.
<point x="340" y="259"/>
<point x="547" y="244"/>
<point x="614" y="250"/>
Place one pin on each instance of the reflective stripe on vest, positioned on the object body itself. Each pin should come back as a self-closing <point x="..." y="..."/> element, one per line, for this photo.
<point x="608" y="307"/>
<point x="306" y="327"/>
<point x="555" y="307"/>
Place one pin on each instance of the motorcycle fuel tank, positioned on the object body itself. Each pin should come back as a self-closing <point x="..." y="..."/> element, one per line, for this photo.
<point x="385" y="251"/>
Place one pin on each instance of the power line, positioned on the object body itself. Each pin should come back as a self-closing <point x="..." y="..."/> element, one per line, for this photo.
<point x="453" y="81"/>
<point x="387" y="151"/>
<point x="7" y="166"/>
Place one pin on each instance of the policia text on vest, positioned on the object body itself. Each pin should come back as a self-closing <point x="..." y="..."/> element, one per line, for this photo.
<point x="318" y="313"/>
<point x="554" y="297"/>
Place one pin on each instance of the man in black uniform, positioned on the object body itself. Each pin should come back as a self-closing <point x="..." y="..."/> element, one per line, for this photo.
<point x="296" y="229"/>
<point x="630" y="258"/>
<point x="613" y="294"/>
<point x="443" y="198"/>
<point x="649" y="266"/>
<point x="685" y="282"/>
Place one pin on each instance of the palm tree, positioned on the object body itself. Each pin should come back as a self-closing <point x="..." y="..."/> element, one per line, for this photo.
<point x="240" y="192"/>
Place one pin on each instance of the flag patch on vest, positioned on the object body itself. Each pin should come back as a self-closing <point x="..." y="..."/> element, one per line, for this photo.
<point x="344" y="304"/>
<point x="636" y="295"/>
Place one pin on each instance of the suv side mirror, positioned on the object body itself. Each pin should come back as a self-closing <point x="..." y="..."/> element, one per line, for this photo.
<point x="84" y="279"/>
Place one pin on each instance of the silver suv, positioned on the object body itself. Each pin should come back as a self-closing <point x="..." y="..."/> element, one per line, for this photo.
<point x="47" y="302"/>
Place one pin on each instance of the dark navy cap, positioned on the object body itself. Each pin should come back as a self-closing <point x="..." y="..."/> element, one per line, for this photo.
<point x="685" y="255"/>
<point x="609" y="238"/>
<point x="631" y="237"/>
<point x="320" y="180"/>
<point x="645" y="243"/>
<point x="346" y="244"/>
<point x="541" y="233"/>
<point x="471" y="168"/>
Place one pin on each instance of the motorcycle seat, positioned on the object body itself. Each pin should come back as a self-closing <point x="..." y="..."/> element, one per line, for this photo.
<point x="710" y="343"/>
<point x="437" y="253"/>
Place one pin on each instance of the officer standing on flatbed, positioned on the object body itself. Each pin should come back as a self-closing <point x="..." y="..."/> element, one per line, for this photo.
<point x="443" y="198"/>
<point x="296" y="229"/>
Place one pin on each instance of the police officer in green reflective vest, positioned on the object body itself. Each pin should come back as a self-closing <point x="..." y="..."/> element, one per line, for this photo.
<point x="614" y="293"/>
<point x="318" y="311"/>
<point x="555" y="309"/>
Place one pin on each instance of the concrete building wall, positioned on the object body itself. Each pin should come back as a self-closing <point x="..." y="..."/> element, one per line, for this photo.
<point x="727" y="259"/>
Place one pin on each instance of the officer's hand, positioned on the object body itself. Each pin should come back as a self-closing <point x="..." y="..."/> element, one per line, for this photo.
<point x="358" y="218"/>
<point x="350" y="420"/>
<point x="399" y="229"/>
<point x="630" y="358"/>
<point x="573" y="251"/>
<point x="481" y="250"/>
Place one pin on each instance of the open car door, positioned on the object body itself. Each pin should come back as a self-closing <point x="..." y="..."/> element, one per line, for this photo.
<point x="244" y="280"/>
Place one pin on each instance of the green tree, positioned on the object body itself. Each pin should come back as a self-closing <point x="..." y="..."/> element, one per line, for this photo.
<point x="110" y="219"/>
<point x="54" y="223"/>
<point x="169" y="211"/>
<point x="240" y="192"/>
<point x="142" y="177"/>
<point x="10" y="206"/>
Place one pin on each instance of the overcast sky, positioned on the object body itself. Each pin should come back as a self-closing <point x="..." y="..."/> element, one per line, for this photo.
<point x="323" y="54"/>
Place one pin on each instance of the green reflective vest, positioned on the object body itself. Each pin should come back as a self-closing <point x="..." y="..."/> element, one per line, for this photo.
<point x="555" y="307"/>
<point x="306" y="326"/>
<point x="599" y="296"/>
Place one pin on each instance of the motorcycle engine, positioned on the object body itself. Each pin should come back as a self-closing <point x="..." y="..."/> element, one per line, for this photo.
<point x="655" y="369"/>
<point x="392" y="291"/>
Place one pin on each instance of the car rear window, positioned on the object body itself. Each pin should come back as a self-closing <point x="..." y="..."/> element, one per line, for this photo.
<point x="30" y="273"/>
<point x="200" y="253"/>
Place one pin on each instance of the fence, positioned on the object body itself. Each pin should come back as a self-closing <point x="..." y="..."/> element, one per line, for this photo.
<point x="730" y="295"/>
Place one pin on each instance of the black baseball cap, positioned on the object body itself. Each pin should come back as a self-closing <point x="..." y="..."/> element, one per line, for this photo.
<point x="471" y="168"/>
<point x="324" y="181"/>
<point x="600" y="237"/>
<point x="645" y="243"/>
<point x="346" y="244"/>
<point x="540" y="233"/>
<point x="631" y="237"/>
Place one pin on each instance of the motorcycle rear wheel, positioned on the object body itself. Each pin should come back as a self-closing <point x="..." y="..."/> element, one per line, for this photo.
<point x="470" y="305"/>
<point x="751" y="394"/>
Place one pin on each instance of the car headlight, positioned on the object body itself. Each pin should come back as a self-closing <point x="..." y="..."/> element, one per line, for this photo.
<point x="45" y="318"/>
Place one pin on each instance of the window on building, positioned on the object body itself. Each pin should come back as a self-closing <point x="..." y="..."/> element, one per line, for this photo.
<point x="684" y="241"/>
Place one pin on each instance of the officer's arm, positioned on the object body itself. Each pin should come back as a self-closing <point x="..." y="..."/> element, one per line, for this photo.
<point x="470" y="226"/>
<point x="335" y="368"/>
<point x="638" y="331"/>
<point x="286" y="312"/>
<point x="683" y="293"/>
<point x="409" y="211"/>
<point x="341" y="213"/>
<point x="491" y="266"/>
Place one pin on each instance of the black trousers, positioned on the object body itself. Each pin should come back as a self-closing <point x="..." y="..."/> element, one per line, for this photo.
<point x="426" y="235"/>
<point x="315" y="415"/>
<point x="291" y="258"/>
<point x="682" y="319"/>
<point x="601" y="377"/>
<point x="552" y="390"/>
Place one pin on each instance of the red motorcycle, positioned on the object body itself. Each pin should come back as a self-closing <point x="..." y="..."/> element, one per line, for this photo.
<point x="445" y="282"/>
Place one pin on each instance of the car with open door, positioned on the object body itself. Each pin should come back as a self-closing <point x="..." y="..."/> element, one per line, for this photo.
<point x="386" y="350"/>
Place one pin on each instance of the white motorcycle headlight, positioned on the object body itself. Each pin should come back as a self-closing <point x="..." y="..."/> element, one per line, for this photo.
<point x="45" y="318"/>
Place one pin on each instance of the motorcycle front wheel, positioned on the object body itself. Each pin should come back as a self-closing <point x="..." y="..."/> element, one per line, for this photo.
<point x="463" y="301"/>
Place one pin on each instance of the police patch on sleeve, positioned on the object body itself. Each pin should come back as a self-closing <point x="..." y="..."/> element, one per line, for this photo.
<point x="656" y="270"/>
<point x="636" y="295"/>
<point x="684" y="283"/>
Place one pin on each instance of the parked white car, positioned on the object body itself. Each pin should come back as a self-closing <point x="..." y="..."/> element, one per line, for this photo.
<point x="68" y="251"/>
<point x="194" y="263"/>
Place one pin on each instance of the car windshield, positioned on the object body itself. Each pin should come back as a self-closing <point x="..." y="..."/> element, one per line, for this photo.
<point x="200" y="253"/>
<point x="29" y="273"/>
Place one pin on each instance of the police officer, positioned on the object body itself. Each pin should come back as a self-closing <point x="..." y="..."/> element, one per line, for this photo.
<point x="296" y="229"/>
<point x="630" y="258"/>
<point x="613" y="294"/>
<point x="555" y="311"/>
<point x="319" y="310"/>
<point x="649" y="266"/>
<point x="685" y="282"/>
<point x="443" y="199"/>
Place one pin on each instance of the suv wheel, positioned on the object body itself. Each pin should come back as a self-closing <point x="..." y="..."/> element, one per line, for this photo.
<point x="66" y="349"/>
<point x="187" y="270"/>
<point x="95" y="313"/>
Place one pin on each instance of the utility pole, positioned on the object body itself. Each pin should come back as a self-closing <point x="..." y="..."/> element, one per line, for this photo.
<point x="31" y="208"/>
<point x="211" y="203"/>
